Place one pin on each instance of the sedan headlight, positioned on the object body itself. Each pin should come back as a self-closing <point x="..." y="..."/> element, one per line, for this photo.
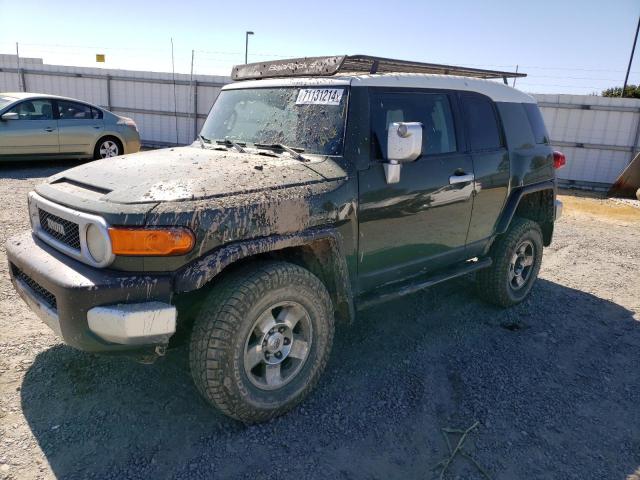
<point x="97" y="243"/>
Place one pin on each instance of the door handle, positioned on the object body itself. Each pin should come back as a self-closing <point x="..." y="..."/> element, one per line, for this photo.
<point x="468" y="177"/>
<point x="97" y="127"/>
<point x="49" y="129"/>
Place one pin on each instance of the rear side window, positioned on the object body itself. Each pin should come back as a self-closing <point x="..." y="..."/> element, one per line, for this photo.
<point x="516" y="125"/>
<point x="73" y="111"/>
<point x="433" y="110"/>
<point x="537" y="123"/>
<point x="96" y="114"/>
<point x="482" y="123"/>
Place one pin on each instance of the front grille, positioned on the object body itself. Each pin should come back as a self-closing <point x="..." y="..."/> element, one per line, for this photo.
<point x="42" y="293"/>
<point x="62" y="230"/>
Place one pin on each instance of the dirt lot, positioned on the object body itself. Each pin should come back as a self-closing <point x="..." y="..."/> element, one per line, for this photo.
<point x="553" y="383"/>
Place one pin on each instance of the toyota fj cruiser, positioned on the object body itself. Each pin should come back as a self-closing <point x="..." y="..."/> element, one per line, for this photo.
<point x="316" y="188"/>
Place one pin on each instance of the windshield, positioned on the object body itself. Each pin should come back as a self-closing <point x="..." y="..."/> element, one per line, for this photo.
<point x="4" y="101"/>
<point x="302" y="117"/>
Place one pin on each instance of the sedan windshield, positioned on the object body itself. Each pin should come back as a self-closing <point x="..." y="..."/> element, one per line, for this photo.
<point x="308" y="119"/>
<point x="4" y="101"/>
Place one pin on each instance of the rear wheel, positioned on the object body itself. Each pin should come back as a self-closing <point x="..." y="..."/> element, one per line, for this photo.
<point x="517" y="256"/>
<point x="107" y="147"/>
<point x="261" y="340"/>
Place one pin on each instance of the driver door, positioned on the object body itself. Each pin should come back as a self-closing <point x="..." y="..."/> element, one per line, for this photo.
<point x="420" y="223"/>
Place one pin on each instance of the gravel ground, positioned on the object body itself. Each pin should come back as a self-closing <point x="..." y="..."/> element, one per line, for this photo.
<point x="552" y="383"/>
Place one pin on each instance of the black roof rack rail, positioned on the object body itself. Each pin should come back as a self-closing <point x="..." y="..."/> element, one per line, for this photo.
<point x="327" y="66"/>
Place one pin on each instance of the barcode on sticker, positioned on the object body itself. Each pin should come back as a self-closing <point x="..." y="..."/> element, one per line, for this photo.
<point x="319" y="96"/>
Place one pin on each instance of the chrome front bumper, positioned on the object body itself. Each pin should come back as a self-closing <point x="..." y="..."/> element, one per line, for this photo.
<point x="134" y="323"/>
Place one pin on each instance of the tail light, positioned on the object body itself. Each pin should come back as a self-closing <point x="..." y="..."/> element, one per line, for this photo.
<point x="128" y="122"/>
<point x="559" y="160"/>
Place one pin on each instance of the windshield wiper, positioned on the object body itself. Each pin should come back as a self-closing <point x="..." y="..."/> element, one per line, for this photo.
<point x="229" y="143"/>
<point x="295" y="152"/>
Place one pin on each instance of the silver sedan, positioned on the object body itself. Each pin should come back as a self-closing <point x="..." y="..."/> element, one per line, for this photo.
<point x="37" y="126"/>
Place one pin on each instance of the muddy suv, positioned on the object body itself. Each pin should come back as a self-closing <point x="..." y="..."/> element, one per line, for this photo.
<point x="316" y="188"/>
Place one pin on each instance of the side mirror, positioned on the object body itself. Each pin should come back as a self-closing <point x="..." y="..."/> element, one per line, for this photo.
<point x="9" y="116"/>
<point x="404" y="144"/>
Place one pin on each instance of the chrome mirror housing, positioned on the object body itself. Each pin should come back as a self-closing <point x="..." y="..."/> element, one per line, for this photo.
<point x="404" y="144"/>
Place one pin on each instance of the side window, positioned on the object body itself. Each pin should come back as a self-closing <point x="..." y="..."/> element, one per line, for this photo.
<point x="96" y="114"/>
<point x="482" y="123"/>
<point x="516" y="125"/>
<point x="537" y="123"/>
<point x="433" y="110"/>
<point x="73" y="111"/>
<point x="34" y="110"/>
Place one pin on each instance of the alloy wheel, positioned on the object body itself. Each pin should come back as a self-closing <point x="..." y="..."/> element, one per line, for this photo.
<point x="278" y="345"/>
<point x="108" y="149"/>
<point x="521" y="264"/>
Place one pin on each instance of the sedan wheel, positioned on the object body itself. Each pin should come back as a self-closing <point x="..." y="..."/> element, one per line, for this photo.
<point x="108" y="148"/>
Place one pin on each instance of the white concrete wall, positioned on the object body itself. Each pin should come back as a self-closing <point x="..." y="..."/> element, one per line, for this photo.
<point x="598" y="135"/>
<point x="127" y="96"/>
<point x="606" y="128"/>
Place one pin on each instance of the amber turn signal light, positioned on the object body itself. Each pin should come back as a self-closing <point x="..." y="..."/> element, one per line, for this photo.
<point x="151" y="241"/>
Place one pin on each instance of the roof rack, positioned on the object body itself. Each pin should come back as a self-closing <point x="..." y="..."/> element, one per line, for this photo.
<point x="326" y="66"/>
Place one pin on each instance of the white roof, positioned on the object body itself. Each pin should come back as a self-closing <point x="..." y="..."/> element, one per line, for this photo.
<point x="494" y="89"/>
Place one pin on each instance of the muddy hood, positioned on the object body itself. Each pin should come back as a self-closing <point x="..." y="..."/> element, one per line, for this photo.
<point x="187" y="173"/>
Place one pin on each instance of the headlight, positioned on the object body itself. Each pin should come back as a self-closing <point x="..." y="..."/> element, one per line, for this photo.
<point x="97" y="244"/>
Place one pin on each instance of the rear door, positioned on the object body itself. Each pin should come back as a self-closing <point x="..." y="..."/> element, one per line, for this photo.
<point x="420" y="223"/>
<point x="80" y="127"/>
<point x="33" y="134"/>
<point x="490" y="164"/>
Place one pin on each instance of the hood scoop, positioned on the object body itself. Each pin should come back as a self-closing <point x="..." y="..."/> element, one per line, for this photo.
<point x="80" y="189"/>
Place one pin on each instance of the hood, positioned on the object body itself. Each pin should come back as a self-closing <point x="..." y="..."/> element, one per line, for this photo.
<point x="187" y="173"/>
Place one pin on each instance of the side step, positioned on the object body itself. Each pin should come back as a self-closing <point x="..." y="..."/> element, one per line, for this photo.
<point x="419" y="283"/>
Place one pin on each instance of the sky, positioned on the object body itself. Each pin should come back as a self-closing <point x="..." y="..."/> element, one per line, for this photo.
<point x="577" y="47"/>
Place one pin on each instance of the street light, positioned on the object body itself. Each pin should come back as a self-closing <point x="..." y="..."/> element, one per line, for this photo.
<point x="246" y="45"/>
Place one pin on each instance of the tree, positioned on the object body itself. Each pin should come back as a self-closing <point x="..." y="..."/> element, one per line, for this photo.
<point x="632" y="91"/>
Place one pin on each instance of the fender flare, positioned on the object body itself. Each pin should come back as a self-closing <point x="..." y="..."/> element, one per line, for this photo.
<point x="197" y="274"/>
<point x="514" y="200"/>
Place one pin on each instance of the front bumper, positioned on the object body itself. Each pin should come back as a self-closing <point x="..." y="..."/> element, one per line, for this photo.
<point x="95" y="310"/>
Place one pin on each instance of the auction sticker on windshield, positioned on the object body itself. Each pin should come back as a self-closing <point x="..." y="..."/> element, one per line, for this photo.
<point x="319" y="96"/>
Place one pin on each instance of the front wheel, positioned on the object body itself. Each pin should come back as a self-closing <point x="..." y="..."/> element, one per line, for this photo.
<point x="517" y="256"/>
<point x="261" y="340"/>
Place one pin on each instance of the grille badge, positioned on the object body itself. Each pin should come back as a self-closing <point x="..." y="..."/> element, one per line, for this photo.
<point x="56" y="227"/>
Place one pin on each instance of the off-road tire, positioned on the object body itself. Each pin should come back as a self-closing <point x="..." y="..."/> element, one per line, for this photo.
<point x="493" y="283"/>
<point x="224" y="323"/>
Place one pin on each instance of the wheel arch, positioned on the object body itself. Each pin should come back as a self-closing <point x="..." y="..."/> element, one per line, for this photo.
<point x="319" y="251"/>
<point x="534" y="202"/>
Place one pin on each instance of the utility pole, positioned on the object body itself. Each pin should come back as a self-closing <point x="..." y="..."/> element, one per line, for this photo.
<point x="635" y="40"/>
<point x="246" y="46"/>
<point x="21" y="83"/>
<point x="175" y="99"/>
